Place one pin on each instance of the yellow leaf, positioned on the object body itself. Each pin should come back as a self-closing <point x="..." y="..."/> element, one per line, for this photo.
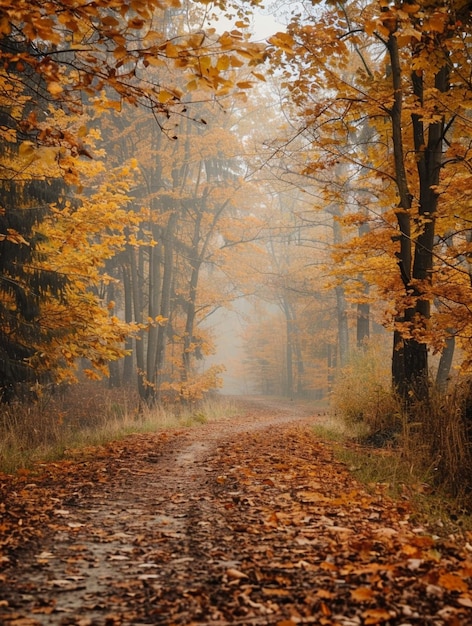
<point x="452" y="582"/>
<point x="223" y="63"/>
<point x="5" y="26"/>
<point x="244" y="84"/>
<point x="410" y="8"/>
<point x="403" y="40"/>
<point x="437" y="22"/>
<point x="283" y="41"/>
<point x="8" y="134"/>
<point x="164" y="96"/>
<point x="26" y="149"/>
<point x="172" y="52"/>
<point x="136" y="23"/>
<point x="15" y="237"/>
<point x="47" y="155"/>
<point x="55" y="88"/>
<point x="259" y="76"/>
<point x="153" y="60"/>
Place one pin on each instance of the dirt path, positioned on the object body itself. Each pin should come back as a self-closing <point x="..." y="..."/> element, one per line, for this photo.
<point x="244" y="521"/>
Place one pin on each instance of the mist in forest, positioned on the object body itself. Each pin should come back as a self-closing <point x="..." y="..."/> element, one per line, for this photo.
<point x="227" y="328"/>
<point x="187" y="180"/>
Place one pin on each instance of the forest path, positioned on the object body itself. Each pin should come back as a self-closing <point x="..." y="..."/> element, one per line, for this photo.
<point x="248" y="520"/>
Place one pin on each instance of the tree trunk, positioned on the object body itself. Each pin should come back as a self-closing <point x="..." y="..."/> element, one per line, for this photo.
<point x="137" y="289"/>
<point x="445" y="364"/>
<point x="400" y="357"/>
<point x="343" y="329"/>
<point x="114" y="379"/>
<point x="411" y="375"/>
<point x="168" y="245"/>
<point x="154" y="299"/>
<point x="363" y="324"/>
<point x="128" y="297"/>
<point x="341" y="307"/>
<point x="289" y="323"/>
<point x="195" y="264"/>
<point x="363" y="308"/>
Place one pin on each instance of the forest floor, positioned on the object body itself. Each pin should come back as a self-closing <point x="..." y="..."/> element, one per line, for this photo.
<point x="248" y="520"/>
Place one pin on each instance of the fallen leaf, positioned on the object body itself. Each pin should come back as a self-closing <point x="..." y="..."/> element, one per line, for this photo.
<point x="452" y="582"/>
<point x="362" y="594"/>
<point x="235" y="574"/>
<point x="376" y="616"/>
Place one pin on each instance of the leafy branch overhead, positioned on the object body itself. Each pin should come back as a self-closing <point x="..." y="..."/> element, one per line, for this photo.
<point x="118" y="52"/>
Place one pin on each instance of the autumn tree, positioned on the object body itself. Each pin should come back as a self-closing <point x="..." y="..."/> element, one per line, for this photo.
<point x="192" y="202"/>
<point x="400" y="68"/>
<point x="58" y="58"/>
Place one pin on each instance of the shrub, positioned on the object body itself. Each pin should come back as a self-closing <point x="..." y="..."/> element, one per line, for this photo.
<point x="362" y="393"/>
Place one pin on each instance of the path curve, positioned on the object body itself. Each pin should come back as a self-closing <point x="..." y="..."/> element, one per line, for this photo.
<point x="135" y="531"/>
<point x="247" y="521"/>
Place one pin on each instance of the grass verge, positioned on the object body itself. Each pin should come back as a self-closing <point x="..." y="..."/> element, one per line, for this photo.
<point x="90" y="415"/>
<point x="389" y="471"/>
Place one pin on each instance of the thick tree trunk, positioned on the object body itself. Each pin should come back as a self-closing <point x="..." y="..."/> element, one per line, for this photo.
<point x="411" y="375"/>
<point x="400" y="377"/>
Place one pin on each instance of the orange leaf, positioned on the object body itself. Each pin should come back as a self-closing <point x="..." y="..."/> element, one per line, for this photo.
<point x="376" y="616"/>
<point x="362" y="594"/>
<point x="325" y="609"/>
<point x="452" y="582"/>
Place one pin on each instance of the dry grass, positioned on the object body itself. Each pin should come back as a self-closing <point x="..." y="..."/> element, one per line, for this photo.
<point x="438" y="436"/>
<point x="424" y="455"/>
<point x="361" y="394"/>
<point x="89" y="414"/>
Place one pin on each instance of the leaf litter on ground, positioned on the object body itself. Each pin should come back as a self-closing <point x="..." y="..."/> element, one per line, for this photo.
<point x="246" y="521"/>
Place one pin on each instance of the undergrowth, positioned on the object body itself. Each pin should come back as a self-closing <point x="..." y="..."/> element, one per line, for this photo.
<point x="423" y="454"/>
<point x="87" y="415"/>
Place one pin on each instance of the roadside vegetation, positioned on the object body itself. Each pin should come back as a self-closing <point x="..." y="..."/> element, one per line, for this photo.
<point x="59" y="426"/>
<point x="422" y="455"/>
